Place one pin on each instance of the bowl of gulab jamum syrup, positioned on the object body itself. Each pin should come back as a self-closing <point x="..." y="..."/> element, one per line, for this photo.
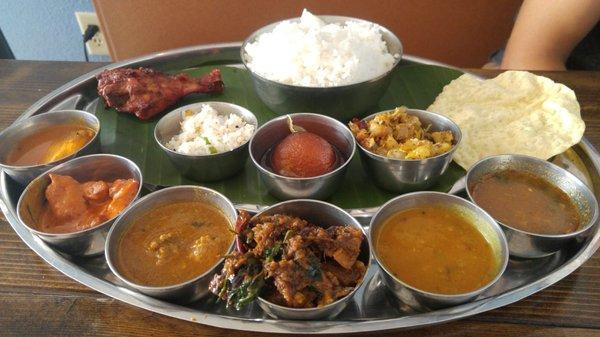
<point x="302" y="155"/>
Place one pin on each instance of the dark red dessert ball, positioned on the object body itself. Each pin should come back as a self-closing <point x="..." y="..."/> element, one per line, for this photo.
<point x="303" y="154"/>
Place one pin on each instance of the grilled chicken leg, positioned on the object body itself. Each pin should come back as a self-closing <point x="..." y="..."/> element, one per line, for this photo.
<point x="146" y="92"/>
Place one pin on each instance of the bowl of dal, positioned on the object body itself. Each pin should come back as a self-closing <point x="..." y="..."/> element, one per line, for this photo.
<point x="169" y="244"/>
<point x="437" y="249"/>
<point x="31" y="146"/>
<point x="540" y="206"/>
<point x="295" y="64"/>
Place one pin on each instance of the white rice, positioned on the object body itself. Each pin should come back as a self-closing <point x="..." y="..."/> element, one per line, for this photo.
<point x="315" y="54"/>
<point x="208" y="132"/>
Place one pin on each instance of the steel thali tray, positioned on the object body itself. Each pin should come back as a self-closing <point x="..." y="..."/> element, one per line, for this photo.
<point x="373" y="307"/>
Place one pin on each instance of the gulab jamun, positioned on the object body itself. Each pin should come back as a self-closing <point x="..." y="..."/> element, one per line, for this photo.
<point x="303" y="154"/>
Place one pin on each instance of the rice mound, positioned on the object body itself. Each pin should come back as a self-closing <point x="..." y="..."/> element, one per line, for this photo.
<point x="312" y="53"/>
<point x="207" y="132"/>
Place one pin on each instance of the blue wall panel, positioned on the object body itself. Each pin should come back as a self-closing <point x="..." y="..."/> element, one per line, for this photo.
<point x="44" y="29"/>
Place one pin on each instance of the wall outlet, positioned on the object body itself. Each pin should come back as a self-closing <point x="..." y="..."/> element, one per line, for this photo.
<point x="97" y="45"/>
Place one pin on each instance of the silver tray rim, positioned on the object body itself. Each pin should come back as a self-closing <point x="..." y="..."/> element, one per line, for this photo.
<point x="71" y="270"/>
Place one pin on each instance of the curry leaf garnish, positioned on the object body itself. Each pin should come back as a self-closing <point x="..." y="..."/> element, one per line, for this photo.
<point x="245" y="286"/>
<point x="314" y="268"/>
<point x="249" y="290"/>
<point x="272" y="252"/>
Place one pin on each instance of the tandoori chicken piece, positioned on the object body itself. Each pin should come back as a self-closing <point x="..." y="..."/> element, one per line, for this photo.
<point x="146" y="92"/>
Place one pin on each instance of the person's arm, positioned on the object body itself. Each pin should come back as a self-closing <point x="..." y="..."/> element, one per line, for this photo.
<point x="546" y="31"/>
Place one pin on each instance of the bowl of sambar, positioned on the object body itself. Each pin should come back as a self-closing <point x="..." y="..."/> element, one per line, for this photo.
<point x="437" y="249"/>
<point x="540" y="206"/>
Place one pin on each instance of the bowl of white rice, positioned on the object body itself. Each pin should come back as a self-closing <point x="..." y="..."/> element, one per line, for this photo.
<point x="207" y="141"/>
<point x="332" y="65"/>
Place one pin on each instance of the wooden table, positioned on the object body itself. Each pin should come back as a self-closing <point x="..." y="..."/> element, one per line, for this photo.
<point x="36" y="299"/>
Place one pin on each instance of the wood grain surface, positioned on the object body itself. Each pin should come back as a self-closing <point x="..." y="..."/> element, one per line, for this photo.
<point x="36" y="299"/>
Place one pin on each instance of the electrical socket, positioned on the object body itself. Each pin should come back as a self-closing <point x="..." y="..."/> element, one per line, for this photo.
<point x="97" y="45"/>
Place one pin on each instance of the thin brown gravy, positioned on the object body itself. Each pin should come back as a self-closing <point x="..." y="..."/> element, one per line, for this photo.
<point x="526" y="202"/>
<point x="49" y="144"/>
<point x="173" y="243"/>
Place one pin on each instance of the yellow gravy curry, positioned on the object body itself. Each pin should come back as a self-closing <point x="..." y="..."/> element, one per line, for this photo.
<point x="435" y="249"/>
<point x="173" y="243"/>
<point x="526" y="202"/>
<point x="49" y="144"/>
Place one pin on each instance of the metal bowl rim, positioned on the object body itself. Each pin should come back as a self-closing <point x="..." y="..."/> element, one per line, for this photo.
<point x="87" y="230"/>
<point x="254" y="122"/>
<point x="262" y="324"/>
<point x="110" y="238"/>
<point x="355" y="224"/>
<point x="450" y="152"/>
<point x="504" y="254"/>
<point x="252" y="37"/>
<point x="309" y="114"/>
<point x="542" y="163"/>
<point x="43" y="116"/>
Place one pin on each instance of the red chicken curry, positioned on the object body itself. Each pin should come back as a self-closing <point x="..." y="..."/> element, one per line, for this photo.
<point x="73" y="206"/>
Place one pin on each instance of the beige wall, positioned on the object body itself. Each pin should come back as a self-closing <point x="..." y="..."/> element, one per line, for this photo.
<point x="459" y="32"/>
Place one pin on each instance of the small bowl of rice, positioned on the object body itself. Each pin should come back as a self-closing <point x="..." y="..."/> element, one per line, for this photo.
<point x="333" y="65"/>
<point x="207" y="141"/>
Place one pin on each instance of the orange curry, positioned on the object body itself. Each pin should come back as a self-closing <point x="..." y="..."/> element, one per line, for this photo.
<point x="173" y="243"/>
<point x="73" y="206"/>
<point x="436" y="249"/>
<point x="50" y="144"/>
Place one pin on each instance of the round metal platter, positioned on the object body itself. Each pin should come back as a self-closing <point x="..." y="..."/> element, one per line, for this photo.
<point x="373" y="307"/>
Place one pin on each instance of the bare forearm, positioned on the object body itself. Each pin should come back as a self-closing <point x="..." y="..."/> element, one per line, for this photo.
<point x="546" y="32"/>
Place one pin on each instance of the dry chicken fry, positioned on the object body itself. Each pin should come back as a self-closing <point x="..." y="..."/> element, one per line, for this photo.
<point x="291" y="262"/>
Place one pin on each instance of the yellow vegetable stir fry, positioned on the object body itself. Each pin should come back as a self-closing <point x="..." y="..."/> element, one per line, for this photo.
<point x="398" y="135"/>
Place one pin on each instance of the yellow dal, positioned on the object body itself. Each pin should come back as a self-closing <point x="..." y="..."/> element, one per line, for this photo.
<point x="436" y="249"/>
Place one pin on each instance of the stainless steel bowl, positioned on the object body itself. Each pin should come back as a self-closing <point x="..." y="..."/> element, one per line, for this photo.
<point x="325" y="215"/>
<point x="19" y="130"/>
<point x="319" y="187"/>
<point x="210" y="167"/>
<point x="485" y="224"/>
<point x="341" y="102"/>
<point x="530" y="245"/>
<point x="88" y="242"/>
<point x="187" y="291"/>
<point x="405" y="175"/>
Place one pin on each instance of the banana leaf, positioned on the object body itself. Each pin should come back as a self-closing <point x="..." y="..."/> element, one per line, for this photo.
<point x="412" y="85"/>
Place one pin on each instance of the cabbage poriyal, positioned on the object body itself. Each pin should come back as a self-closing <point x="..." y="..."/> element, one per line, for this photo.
<point x="516" y="112"/>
